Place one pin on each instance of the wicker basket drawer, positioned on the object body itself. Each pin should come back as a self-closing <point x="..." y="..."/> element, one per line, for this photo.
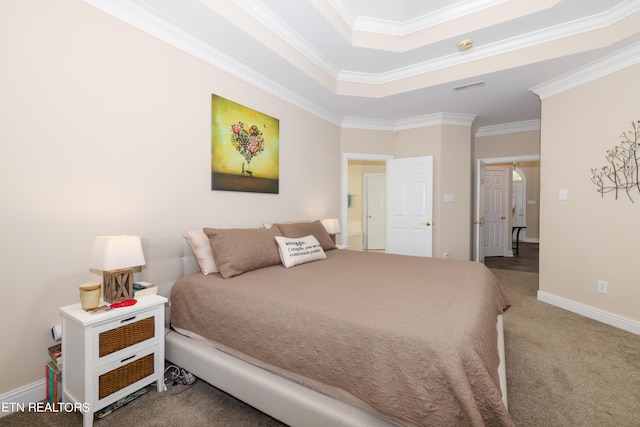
<point x="124" y="333"/>
<point x="123" y="376"/>
<point x="126" y="336"/>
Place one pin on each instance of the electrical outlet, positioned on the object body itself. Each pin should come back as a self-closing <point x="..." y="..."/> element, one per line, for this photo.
<point x="447" y="254"/>
<point x="603" y="287"/>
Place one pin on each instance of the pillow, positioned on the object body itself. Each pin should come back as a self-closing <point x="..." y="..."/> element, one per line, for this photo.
<point x="238" y="250"/>
<point x="271" y="224"/>
<point x="315" y="228"/>
<point x="201" y="247"/>
<point x="294" y="251"/>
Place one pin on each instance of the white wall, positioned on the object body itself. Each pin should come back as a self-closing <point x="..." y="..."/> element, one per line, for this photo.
<point x="106" y="130"/>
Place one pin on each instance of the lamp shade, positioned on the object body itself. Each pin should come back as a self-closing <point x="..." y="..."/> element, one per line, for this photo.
<point x="332" y="225"/>
<point x="116" y="252"/>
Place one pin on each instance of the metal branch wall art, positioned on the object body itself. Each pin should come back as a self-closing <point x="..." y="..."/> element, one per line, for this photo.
<point x="622" y="168"/>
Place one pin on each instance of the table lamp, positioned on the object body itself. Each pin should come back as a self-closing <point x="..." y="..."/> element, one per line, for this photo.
<point x="115" y="256"/>
<point x="332" y="225"/>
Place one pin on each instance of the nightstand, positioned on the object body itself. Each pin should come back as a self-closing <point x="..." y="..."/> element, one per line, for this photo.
<point x="109" y="355"/>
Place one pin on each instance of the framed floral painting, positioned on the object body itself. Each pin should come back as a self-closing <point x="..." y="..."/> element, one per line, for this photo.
<point x="245" y="148"/>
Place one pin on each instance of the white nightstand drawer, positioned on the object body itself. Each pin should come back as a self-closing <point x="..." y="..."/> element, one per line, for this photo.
<point x="125" y="333"/>
<point x="126" y="375"/>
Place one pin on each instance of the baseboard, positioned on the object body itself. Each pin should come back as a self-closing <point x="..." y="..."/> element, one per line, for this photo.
<point x="11" y="401"/>
<point x="614" y="320"/>
<point x="530" y="240"/>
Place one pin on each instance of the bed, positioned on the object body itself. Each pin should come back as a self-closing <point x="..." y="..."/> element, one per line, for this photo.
<point x="328" y="341"/>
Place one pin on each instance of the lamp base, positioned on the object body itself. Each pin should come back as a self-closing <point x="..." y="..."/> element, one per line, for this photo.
<point x="118" y="285"/>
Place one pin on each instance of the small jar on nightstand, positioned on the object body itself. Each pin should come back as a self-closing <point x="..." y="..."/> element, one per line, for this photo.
<point x="110" y="354"/>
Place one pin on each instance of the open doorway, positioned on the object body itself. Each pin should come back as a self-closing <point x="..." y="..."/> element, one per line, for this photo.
<point x="523" y="212"/>
<point x="357" y="169"/>
<point x="406" y="224"/>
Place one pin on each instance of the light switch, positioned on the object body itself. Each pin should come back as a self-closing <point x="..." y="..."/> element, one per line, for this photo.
<point x="449" y="197"/>
<point x="563" y="194"/>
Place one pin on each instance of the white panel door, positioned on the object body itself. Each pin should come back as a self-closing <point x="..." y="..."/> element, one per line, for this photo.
<point x="410" y="206"/>
<point x="478" y="224"/>
<point x="376" y="214"/>
<point x="495" y="211"/>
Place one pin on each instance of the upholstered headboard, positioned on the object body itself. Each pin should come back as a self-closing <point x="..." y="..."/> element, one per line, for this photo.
<point x="167" y="257"/>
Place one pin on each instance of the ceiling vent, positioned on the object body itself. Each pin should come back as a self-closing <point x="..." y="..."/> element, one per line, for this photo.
<point x="470" y="85"/>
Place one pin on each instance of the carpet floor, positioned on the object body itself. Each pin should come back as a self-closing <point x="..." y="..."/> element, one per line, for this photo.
<point x="562" y="370"/>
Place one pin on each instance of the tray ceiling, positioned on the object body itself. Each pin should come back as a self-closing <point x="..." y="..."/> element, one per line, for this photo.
<point x="389" y="64"/>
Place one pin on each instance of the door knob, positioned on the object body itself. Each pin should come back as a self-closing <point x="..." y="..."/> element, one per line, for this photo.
<point x="369" y="216"/>
<point x="479" y="222"/>
<point x="428" y="224"/>
<point x="503" y="217"/>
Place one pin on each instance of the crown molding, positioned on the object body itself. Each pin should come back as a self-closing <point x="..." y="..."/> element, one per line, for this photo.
<point x="190" y="43"/>
<point x="343" y="10"/>
<point x="410" y="26"/>
<point x="436" y="119"/>
<point x="558" y="32"/>
<point x="407" y="27"/>
<point x="169" y="32"/>
<point x="439" y="119"/>
<point x="507" y="128"/>
<point x="263" y="14"/>
<point x="602" y="67"/>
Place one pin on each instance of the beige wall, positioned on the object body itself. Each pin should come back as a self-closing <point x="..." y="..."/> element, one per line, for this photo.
<point x="508" y="145"/>
<point x="106" y="130"/>
<point x="456" y="217"/>
<point x="366" y="141"/>
<point x="588" y="237"/>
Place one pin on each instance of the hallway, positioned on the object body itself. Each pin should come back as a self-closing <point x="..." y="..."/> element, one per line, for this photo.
<point x="526" y="260"/>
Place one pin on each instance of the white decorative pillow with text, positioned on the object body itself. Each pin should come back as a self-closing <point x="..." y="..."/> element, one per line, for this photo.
<point x="294" y="251"/>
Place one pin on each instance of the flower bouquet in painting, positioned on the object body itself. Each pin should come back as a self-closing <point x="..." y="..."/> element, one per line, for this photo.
<point x="239" y="134"/>
<point x="249" y="142"/>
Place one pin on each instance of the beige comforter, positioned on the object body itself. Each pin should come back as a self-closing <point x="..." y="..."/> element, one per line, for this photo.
<point x="413" y="337"/>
